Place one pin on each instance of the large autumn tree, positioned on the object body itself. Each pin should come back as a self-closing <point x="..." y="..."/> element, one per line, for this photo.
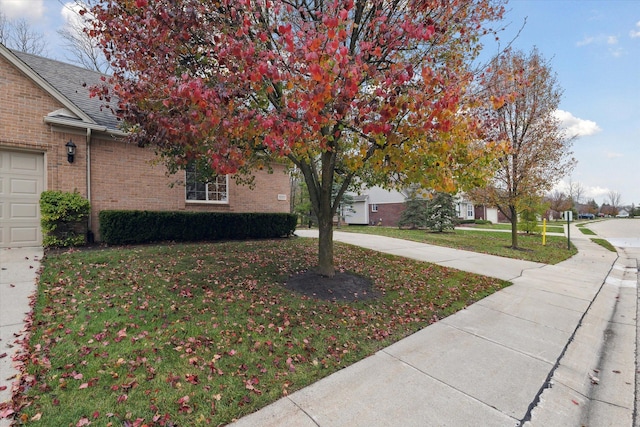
<point x="346" y="90"/>
<point x="524" y="95"/>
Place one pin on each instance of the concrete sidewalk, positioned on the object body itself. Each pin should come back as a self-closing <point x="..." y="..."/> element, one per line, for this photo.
<point x="18" y="272"/>
<point x="557" y="348"/>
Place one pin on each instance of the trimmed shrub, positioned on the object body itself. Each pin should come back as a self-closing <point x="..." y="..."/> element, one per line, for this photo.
<point x="63" y="218"/>
<point x="482" y="222"/>
<point x="131" y="227"/>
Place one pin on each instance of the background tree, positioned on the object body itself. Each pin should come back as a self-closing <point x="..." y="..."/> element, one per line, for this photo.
<point x="591" y="207"/>
<point x="531" y="209"/>
<point x="607" y="209"/>
<point x="615" y="200"/>
<point x="300" y="203"/>
<point x="524" y="93"/>
<point x="576" y="193"/>
<point x="19" y="35"/>
<point x="558" y="202"/>
<point x="441" y="212"/>
<point x="84" y="50"/>
<point x="414" y="214"/>
<point x="344" y="89"/>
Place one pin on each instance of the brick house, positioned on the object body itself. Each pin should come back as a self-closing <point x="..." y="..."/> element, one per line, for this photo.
<point x="44" y="105"/>
<point x="379" y="206"/>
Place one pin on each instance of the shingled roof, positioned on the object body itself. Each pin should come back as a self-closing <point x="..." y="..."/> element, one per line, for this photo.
<point x="73" y="83"/>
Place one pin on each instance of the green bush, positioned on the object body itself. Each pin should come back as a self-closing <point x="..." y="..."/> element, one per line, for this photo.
<point x="482" y="222"/>
<point x="63" y="218"/>
<point x="131" y="227"/>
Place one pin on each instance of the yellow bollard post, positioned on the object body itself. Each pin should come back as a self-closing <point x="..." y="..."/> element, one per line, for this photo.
<point x="544" y="232"/>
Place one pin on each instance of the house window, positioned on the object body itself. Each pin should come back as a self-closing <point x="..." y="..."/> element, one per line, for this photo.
<point x="212" y="189"/>
<point x="470" y="212"/>
<point x="374" y="208"/>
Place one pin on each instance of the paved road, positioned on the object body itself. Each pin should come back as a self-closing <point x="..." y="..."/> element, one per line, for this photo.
<point x="624" y="234"/>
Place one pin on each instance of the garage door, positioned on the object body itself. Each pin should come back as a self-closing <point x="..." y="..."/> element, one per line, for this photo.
<point x="21" y="182"/>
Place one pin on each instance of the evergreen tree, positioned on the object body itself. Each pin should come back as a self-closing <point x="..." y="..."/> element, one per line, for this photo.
<point x="441" y="212"/>
<point x="414" y="215"/>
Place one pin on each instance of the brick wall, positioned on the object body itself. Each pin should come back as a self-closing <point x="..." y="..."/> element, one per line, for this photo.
<point x="388" y="212"/>
<point x="122" y="174"/>
<point x="22" y="107"/>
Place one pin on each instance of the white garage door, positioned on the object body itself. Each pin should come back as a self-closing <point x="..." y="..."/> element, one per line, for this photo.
<point x="21" y="182"/>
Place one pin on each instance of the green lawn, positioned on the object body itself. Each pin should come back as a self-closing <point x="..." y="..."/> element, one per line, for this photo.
<point x="494" y="243"/>
<point x="552" y="227"/>
<point x="202" y="334"/>
<point x="604" y="243"/>
<point x="586" y="231"/>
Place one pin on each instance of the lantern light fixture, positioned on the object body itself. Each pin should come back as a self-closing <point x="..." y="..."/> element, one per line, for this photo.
<point x="71" y="151"/>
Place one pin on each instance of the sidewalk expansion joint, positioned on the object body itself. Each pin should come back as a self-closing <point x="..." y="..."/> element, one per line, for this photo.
<point x="303" y="410"/>
<point x="426" y="374"/>
<point x="548" y="383"/>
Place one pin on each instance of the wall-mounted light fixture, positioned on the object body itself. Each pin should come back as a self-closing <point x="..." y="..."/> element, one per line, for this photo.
<point x="71" y="151"/>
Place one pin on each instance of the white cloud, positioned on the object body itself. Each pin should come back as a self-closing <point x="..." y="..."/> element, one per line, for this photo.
<point x="27" y="9"/>
<point x="71" y="14"/>
<point x="635" y="33"/>
<point x="617" y="52"/>
<point x="612" y="155"/>
<point x="588" y="191"/>
<point x="586" y="41"/>
<point x="596" y="192"/>
<point x="604" y="40"/>
<point x="575" y="126"/>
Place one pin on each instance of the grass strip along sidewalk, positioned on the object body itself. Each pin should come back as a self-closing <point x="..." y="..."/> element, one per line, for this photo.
<point x="202" y="334"/>
<point x="488" y="242"/>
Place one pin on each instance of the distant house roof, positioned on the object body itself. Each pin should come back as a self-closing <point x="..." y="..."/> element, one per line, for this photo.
<point x="69" y="84"/>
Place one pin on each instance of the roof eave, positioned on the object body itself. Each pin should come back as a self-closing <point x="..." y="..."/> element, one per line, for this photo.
<point x="46" y="86"/>
<point x="77" y="124"/>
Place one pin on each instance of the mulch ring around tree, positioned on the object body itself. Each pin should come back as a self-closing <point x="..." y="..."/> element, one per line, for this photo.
<point x="345" y="286"/>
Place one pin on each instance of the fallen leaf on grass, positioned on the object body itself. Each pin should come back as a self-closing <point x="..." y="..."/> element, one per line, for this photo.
<point x="6" y="413"/>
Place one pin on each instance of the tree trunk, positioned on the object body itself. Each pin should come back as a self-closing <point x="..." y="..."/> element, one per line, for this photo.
<point x="320" y="186"/>
<point x="325" y="246"/>
<point x="514" y="227"/>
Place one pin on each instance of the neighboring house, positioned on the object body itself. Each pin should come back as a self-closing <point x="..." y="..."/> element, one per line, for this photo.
<point x="45" y="105"/>
<point x="358" y="213"/>
<point x="487" y="213"/>
<point x="378" y="206"/>
<point x="464" y="208"/>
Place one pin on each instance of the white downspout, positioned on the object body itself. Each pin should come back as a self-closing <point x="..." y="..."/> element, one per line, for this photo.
<point x="89" y="222"/>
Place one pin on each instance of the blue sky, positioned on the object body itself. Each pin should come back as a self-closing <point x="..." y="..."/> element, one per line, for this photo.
<point x="592" y="45"/>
